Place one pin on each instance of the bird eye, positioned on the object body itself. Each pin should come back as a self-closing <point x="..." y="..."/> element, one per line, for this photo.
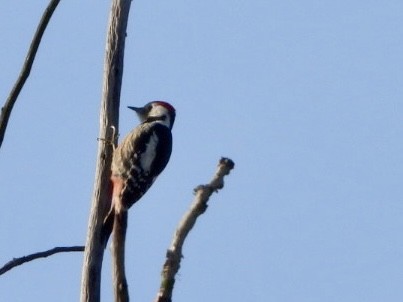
<point x="149" y="107"/>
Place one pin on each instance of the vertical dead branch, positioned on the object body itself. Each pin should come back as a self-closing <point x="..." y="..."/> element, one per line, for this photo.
<point x="26" y="68"/>
<point x="118" y="252"/>
<point x="198" y="207"/>
<point x="109" y="116"/>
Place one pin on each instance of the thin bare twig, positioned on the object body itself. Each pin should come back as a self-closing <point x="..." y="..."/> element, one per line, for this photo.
<point x="26" y="68"/>
<point x="198" y="207"/>
<point x="18" y="261"/>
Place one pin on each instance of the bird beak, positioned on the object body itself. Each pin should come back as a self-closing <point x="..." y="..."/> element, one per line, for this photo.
<point x="141" y="112"/>
<point x="137" y="109"/>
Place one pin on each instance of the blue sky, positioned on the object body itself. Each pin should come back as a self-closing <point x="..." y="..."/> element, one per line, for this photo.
<point x="306" y="97"/>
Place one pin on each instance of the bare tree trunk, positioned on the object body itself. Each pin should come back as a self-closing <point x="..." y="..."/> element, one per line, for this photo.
<point x="109" y="116"/>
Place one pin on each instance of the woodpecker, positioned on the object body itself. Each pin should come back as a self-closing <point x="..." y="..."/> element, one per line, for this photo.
<point x="140" y="158"/>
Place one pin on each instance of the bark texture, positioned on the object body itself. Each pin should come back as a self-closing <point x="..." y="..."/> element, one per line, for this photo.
<point x="109" y="116"/>
<point x="197" y="208"/>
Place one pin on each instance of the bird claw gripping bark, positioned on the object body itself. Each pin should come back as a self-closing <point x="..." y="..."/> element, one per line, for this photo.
<point x="113" y="141"/>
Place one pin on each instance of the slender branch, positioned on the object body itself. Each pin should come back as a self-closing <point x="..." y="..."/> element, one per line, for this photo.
<point x="21" y="260"/>
<point x="118" y="256"/>
<point x="109" y="116"/>
<point x="197" y="208"/>
<point x="26" y="68"/>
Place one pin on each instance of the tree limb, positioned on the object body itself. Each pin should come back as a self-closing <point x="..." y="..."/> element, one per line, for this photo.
<point x="109" y="116"/>
<point x="118" y="256"/>
<point x="26" y="68"/>
<point x="21" y="260"/>
<point x="198" y="207"/>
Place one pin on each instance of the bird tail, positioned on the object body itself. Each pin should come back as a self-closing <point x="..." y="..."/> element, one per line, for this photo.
<point x="107" y="227"/>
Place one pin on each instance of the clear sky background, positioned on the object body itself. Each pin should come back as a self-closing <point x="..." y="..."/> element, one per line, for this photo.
<point x="305" y="96"/>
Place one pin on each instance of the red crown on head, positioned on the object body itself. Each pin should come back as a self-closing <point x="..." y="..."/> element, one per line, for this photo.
<point x="166" y="105"/>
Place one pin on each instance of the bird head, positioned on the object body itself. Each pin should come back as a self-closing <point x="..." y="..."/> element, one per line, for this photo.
<point x="158" y="111"/>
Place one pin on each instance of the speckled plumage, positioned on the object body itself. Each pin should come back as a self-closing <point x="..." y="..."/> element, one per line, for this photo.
<point x="140" y="157"/>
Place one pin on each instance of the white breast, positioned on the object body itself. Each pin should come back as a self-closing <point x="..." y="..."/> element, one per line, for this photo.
<point x="147" y="158"/>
